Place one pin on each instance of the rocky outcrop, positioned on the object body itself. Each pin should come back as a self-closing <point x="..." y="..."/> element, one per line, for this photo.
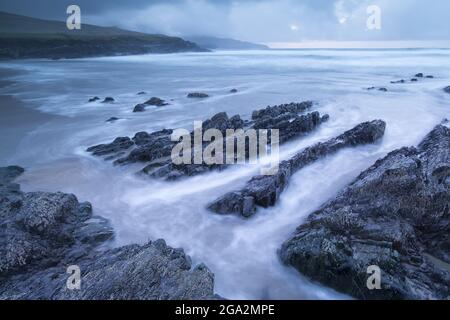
<point x="414" y="79"/>
<point x="395" y="215"/>
<point x="41" y="234"/>
<point x="117" y="147"/>
<point x="199" y="95"/>
<point x="383" y="89"/>
<point x="290" y="127"/>
<point x="139" y="107"/>
<point x="155" y="148"/>
<point x="93" y="99"/>
<point x="447" y="89"/>
<point x="398" y="81"/>
<point x="276" y="111"/>
<point x="108" y="100"/>
<point x="154" y="101"/>
<point x="264" y="190"/>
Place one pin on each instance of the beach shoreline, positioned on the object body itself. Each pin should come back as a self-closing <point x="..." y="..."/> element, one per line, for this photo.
<point x="16" y="119"/>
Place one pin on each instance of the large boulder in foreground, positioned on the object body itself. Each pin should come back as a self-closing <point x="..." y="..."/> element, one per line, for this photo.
<point x="42" y="233"/>
<point x="395" y="215"/>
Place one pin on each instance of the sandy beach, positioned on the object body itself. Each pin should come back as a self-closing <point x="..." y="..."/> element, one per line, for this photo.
<point x="16" y="120"/>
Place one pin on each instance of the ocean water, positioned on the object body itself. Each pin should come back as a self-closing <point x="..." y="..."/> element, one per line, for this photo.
<point x="241" y="253"/>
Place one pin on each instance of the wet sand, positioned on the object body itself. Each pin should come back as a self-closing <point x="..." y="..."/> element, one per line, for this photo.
<point x="16" y="120"/>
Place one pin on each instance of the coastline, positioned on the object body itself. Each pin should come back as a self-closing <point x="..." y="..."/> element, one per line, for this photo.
<point x="16" y="119"/>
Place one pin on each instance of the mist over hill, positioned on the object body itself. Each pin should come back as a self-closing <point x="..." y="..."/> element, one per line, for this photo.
<point x="215" y="43"/>
<point x="26" y="37"/>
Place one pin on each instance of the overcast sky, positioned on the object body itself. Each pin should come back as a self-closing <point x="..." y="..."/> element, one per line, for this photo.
<point x="258" y="21"/>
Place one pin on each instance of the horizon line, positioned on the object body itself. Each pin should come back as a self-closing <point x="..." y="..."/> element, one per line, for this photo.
<point x="369" y="44"/>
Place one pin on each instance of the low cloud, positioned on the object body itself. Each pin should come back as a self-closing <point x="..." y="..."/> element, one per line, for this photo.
<point x="259" y="20"/>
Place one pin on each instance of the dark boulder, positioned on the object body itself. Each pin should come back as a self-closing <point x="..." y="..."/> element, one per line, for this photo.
<point x="447" y="89"/>
<point x="139" y="108"/>
<point x="398" y="81"/>
<point x="200" y="95"/>
<point x="383" y="89"/>
<point x="112" y="119"/>
<point x="141" y="93"/>
<point x="233" y="91"/>
<point x="154" y="101"/>
<point x="395" y="215"/>
<point x="94" y="99"/>
<point x="419" y="75"/>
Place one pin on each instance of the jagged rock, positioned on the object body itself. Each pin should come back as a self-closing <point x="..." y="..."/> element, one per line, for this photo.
<point x="38" y="229"/>
<point x="149" y="147"/>
<point x="108" y="100"/>
<point x="264" y="190"/>
<point x="155" y="148"/>
<point x="395" y="215"/>
<point x="200" y="95"/>
<point x="41" y="234"/>
<point x="297" y="126"/>
<point x="154" y="101"/>
<point x="118" y="145"/>
<point x="94" y="99"/>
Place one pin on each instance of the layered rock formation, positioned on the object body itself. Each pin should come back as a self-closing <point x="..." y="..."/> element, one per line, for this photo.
<point x="154" y="149"/>
<point x="395" y="215"/>
<point x="264" y="190"/>
<point x="42" y="233"/>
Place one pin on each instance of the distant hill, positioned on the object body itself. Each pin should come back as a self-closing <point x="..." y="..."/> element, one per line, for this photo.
<point x="214" y="43"/>
<point x="25" y="37"/>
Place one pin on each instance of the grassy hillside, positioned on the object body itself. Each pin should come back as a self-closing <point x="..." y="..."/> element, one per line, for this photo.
<point x="26" y="37"/>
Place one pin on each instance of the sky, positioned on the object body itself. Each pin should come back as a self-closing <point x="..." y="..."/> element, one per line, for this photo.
<point x="263" y="21"/>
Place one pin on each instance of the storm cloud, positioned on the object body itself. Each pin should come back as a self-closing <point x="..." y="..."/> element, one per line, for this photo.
<point x="260" y="21"/>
